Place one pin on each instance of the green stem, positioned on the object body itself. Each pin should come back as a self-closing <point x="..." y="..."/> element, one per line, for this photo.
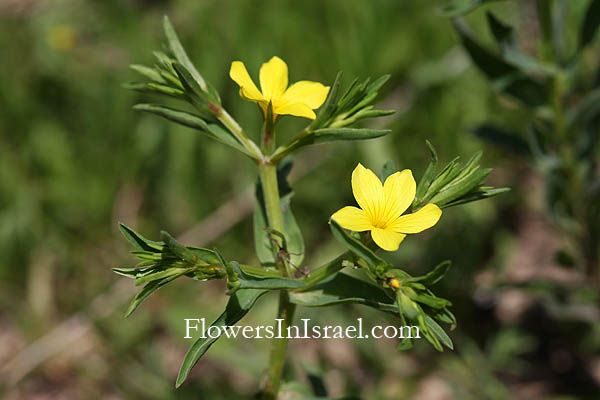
<point x="268" y="179"/>
<point x="237" y="131"/>
<point x="279" y="348"/>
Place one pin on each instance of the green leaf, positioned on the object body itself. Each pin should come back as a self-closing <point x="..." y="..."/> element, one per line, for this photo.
<point x="445" y="316"/>
<point x="249" y="281"/>
<point x="475" y="195"/>
<point x="590" y="24"/>
<point x="237" y="307"/>
<point x="178" y="249"/>
<point x="428" y="333"/>
<point x="193" y="121"/>
<point x="378" y="84"/>
<point x="406" y="306"/>
<point x="149" y="289"/>
<point x="404" y="344"/>
<point x="180" y="54"/>
<point x="343" y="288"/>
<point x="427" y="299"/>
<point x="194" y="92"/>
<point x="181" y="117"/>
<point x="148" y="72"/>
<point x="328" y="108"/>
<point x="428" y="175"/>
<point x="439" y="332"/>
<point x="138" y="241"/>
<point x="460" y="187"/>
<point x="357" y="247"/>
<point x="325" y="135"/>
<point x="434" y="276"/>
<point x="161" y="274"/>
<point x="155" y="88"/>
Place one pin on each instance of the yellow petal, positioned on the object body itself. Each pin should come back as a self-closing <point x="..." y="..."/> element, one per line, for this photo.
<point x="368" y="192"/>
<point x="273" y="78"/>
<point x="248" y="89"/>
<point x="313" y="94"/>
<point x="399" y="191"/>
<point x="416" y="222"/>
<point x="352" y="218"/>
<point x="297" y="109"/>
<point x="386" y="239"/>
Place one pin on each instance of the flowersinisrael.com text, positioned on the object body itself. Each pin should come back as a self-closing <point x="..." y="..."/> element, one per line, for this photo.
<point x="304" y="330"/>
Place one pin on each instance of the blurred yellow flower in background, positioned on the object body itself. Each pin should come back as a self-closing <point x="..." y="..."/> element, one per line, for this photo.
<point x="61" y="37"/>
<point x="381" y="208"/>
<point x="300" y="99"/>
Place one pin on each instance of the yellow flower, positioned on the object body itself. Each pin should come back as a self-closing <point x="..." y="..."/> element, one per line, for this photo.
<point x="381" y="208"/>
<point x="300" y="99"/>
<point x="61" y="37"/>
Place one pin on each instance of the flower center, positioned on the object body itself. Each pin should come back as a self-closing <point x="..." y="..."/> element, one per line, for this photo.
<point x="379" y="223"/>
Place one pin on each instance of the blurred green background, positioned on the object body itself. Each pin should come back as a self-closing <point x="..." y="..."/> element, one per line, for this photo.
<point x="75" y="159"/>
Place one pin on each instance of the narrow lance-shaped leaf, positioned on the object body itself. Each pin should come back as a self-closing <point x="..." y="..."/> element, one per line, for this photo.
<point x="439" y="332"/>
<point x="148" y="72"/>
<point x="428" y="175"/>
<point x="193" y="121"/>
<point x="138" y="241"/>
<point x="180" y="54"/>
<point x="343" y="288"/>
<point x="237" y="307"/>
<point x="178" y="249"/>
<point x="461" y="187"/>
<point x="248" y="281"/>
<point x="434" y="276"/>
<point x="325" y="135"/>
<point x="328" y="108"/>
<point x="149" y="289"/>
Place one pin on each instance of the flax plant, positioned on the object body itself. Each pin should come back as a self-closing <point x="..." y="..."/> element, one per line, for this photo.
<point x="388" y="211"/>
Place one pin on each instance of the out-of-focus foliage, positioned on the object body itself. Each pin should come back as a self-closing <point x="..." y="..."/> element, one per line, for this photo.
<point x="75" y="159"/>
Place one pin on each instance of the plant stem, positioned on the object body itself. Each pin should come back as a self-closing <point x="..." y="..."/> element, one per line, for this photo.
<point x="279" y="347"/>
<point x="268" y="179"/>
<point x="238" y="132"/>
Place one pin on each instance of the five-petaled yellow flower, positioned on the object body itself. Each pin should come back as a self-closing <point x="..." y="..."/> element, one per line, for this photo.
<point x="381" y="208"/>
<point x="300" y="99"/>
